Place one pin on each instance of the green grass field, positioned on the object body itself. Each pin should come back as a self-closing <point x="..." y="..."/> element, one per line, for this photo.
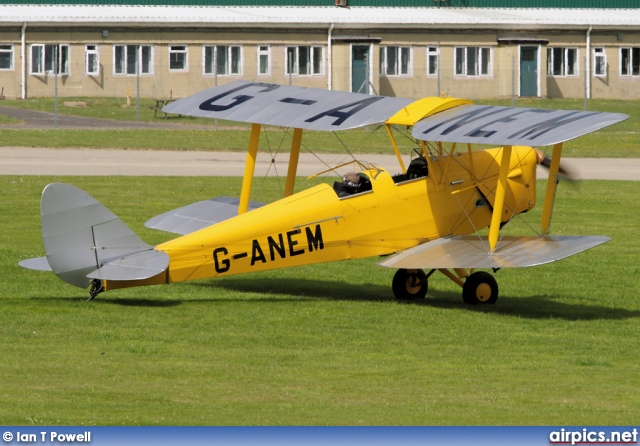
<point x="619" y="141"/>
<point x="325" y="344"/>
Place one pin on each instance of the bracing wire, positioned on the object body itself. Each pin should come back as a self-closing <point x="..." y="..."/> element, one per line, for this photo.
<point x="272" y="164"/>
<point x="480" y="179"/>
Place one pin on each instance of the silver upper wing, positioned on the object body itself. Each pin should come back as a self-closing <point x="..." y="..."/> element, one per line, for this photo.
<point x="487" y="124"/>
<point x="287" y="106"/>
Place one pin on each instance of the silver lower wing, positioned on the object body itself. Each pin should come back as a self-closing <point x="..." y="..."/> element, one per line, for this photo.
<point x="473" y="252"/>
<point x="196" y="216"/>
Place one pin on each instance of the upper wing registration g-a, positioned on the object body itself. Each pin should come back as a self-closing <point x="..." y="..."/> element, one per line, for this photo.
<point x="288" y="106"/>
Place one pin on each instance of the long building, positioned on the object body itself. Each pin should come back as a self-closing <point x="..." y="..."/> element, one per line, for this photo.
<point x="406" y="50"/>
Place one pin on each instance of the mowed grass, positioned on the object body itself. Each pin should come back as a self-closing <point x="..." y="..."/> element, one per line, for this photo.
<point x="325" y="344"/>
<point x="619" y="141"/>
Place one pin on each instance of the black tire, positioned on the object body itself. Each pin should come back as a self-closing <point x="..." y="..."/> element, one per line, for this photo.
<point x="480" y="288"/>
<point x="410" y="284"/>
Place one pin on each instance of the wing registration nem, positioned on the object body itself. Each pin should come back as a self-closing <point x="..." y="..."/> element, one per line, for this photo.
<point x="513" y="126"/>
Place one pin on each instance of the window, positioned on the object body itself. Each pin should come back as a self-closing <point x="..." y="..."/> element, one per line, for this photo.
<point x="629" y="61"/>
<point x="126" y="58"/>
<point x="433" y="55"/>
<point x="91" y="60"/>
<point x="599" y="62"/>
<point x="222" y="59"/>
<point x="264" y="52"/>
<point x="6" y="57"/>
<point x="562" y="61"/>
<point x="472" y="61"/>
<point x="177" y="58"/>
<point x="304" y="60"/>
<point x="43" y="59"/>
<point x="395" y="60"/>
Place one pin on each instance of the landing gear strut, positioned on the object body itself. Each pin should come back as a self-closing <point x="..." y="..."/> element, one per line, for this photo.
<point x="410" y="284"/>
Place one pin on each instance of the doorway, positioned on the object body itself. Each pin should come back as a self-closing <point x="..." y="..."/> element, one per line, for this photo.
<point x="529" y="71"/>
<point x="360" y="81"/>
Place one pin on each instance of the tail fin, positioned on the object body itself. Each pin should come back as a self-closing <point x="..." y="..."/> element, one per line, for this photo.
<point x="83" y="240"/>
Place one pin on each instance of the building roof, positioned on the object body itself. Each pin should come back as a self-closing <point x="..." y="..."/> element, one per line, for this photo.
<point x="554" y="4"/>
<point x="312" y="16"/>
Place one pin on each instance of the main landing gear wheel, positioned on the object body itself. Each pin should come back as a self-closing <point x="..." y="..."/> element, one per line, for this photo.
<point x="410" y="284"/>
<point x="480" y="288"/>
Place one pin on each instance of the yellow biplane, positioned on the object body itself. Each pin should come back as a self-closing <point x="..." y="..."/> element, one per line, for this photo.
<point x="443" y="212"/>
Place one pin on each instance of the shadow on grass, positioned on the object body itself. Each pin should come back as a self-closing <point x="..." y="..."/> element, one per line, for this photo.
<point x="150" y="303"/>
<point x="533" y="307"/>
<point x="300" y="290"/>
<point x="124" y="302"/>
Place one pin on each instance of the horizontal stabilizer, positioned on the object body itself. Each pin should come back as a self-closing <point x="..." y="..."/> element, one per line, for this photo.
<point x="138" y="266"/>
<point x="196" y="216"/>
<point x="473" y="252"/>
<point x="38" y="264"/>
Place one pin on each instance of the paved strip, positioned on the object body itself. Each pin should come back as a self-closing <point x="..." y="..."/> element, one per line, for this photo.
<point x="70" y="162"/>
<point x="30" y="161"/>
<point x="32" y="119"/>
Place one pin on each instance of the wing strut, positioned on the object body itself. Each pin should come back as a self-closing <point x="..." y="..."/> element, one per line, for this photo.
<point x="293" y="162"/>
<point x="496" y="218"/>
<point x="552" y="186"/>
<point x="395" y="148"/>
<point x="249" y="168"/>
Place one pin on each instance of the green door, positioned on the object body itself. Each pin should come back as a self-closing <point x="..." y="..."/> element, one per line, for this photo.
<point x="359" y="69"/>
<point x="529" y="71"/>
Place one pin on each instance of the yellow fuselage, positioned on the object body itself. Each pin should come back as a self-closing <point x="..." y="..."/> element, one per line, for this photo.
<point x="315" y="225"/>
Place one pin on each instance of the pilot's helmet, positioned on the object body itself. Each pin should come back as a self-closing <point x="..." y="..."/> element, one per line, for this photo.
<point x="352" y="179"/>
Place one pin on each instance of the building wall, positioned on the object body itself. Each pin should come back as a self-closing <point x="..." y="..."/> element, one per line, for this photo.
<point x="500" y="81"/>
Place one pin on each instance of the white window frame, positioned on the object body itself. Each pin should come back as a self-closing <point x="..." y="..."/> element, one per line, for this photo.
<point x="264" y="51"/>
<point x="7" y="48"/>
<point x="45" y="50"/>
<point x="565" y="68"/>
<point x="433" y="54"/>
<point x="233" y="56"/>
<point x="400" y="68"/>
<point x="146" y="68"/>
<point x="179" y="50"/>
<point x="599" y="61"/>
<point x="481" y="67"/>
<point x="314" y="59"/>
<point x="91" y="52"/>
<point x="633" y="61"/>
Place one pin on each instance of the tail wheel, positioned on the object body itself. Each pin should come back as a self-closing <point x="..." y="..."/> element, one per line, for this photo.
<point x="410" y="284"/>
<point x="480" y="288"/>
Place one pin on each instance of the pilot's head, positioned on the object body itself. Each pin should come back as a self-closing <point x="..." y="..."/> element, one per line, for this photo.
<point x="352" y="179"/>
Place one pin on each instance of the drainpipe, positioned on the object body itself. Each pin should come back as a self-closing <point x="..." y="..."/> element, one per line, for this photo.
<point x="23" y="44"/>
<point x="330" y="59"/>
<point x="588" y="63"/>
